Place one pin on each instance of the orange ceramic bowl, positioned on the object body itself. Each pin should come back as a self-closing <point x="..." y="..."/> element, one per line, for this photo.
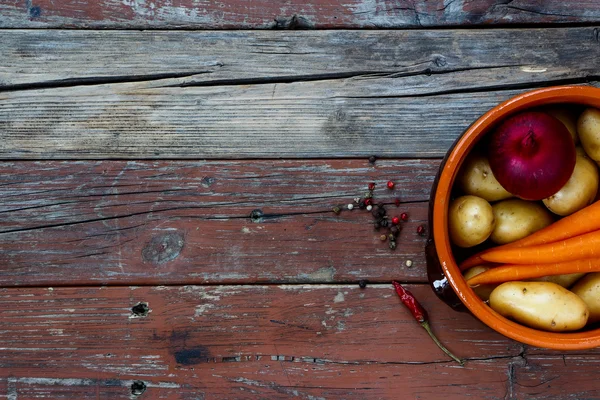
<point x="444" y="275"/>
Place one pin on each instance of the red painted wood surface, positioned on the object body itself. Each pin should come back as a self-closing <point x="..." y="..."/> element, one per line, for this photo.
<point x="261" y="14"/>
<point x="229" y="341"/>
<point x="164" y="222"/>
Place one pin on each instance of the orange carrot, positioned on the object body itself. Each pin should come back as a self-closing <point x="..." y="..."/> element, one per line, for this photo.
<point x="583" y="221"/>
<point x="517" y="272"/>
<point x="575" y="248"/>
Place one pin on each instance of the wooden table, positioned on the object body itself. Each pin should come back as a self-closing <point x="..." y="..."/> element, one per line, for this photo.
<point x="167" y="184"/>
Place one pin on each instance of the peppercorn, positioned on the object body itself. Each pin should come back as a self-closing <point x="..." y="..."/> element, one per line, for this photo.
<point x="369" y="207"/>
<point x="397" y="202"/>
<point x="421" y="230"/>
<point x="368" y="201"/>
<point x="362" y="205"/>
<point x="392" y="244"/>
<point x="362" y="283"/>
<point x="383" y="238"/>
<point x="372" y="159"/>
<point x="404" y="216"/>
<point x="384" y="223"/>
<point x="381" y="212"/>
<point x="368" y="195"/>
<point x="395" y="220"/>
<point x="350" y="206"/>
<point x="391" y="237"/>
<point x="409" y="263"/>
<point x="395" y="230"/>
<point x="375" y="213"/>
<point x="372" y="186"/>
<point x="390" y="185"/>
<point x="337" y="210"/>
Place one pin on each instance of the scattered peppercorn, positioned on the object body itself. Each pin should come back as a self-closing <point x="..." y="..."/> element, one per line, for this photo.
<point x="395" y="220"/>
<point x="391" y="237"/>
<point x="362" y="205"/>
<point x="409" y="263"/>
<point x="397" y="202"/>
<point x="372" y="186"/>
<point x="357" y="200"/>
<point x="384" y="223"/>
<point x="337" y="209"/>
<point x="395" y="230"/>
<point x="375" y="213"/>
<point x="392" y="244"/>
<point x="390" y="185"/>
<point x="404" y="216"/>
<point x="383" y="238"/>
<point x="372" y="159"/>
<point x="368" y="201"/>
<point x="369" y="207"/>
<point x="350" y="206"/>
<point x="362" y="283"/>
<point x="421" y="230"/>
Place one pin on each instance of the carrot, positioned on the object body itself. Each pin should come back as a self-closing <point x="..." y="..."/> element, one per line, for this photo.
<point x="517" y="272"/>
<point x="575" y="248"/>
<point x="583" y="221"/>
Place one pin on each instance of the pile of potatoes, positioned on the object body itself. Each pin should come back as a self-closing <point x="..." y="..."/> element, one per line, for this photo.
<point x="483" y="212"/>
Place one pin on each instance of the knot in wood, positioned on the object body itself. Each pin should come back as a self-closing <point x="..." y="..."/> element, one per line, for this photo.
<point x="163" y="248"/>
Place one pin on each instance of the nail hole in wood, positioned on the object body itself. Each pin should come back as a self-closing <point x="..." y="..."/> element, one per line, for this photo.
<point x="140" y="309"/>
<point x="137" y="388"/>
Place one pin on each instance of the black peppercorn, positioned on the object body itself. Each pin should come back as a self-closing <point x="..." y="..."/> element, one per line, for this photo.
<point x="337" y="209"/>
<point x="395" y="230"/>
<point x="362" y="205"/>
<point x="384" y="223"/>
<point x="362" y="283"/>
<point x="372" y="159"/>
<point x="392" y="244"/>
<point x="375" y="213"/>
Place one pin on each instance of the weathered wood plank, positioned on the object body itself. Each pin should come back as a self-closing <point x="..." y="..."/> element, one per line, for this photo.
<point x="323" y="341"/>
<point x="99" y="222"/>
<point x="416" y="109"/>
<point x="545" y="377"/>
<point x="40" y="57"/>
<point x="256" y="14"/>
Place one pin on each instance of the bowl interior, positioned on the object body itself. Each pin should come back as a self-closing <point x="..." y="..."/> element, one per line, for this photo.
<point x="582" y="95"/>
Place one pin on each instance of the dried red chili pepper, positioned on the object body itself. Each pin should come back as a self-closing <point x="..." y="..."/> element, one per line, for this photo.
<point x="420" y="314"/>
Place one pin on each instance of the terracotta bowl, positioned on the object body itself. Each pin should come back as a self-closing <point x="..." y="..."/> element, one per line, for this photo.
<point x="444" y="275"/>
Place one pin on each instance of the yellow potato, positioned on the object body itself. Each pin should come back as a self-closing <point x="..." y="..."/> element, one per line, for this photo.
<point x="516" y="218"/>
<point x="589" y="290"/>
<point x="579" y="191"/>
<point x="565" y="280"/>
<point x="566" y="115"/>
<point x="483" y="291"/>
<point x="470" y="221"/>
<point x="588" y="129"/>
<point x="476" y="178"/>
<point x="540" y="305"/>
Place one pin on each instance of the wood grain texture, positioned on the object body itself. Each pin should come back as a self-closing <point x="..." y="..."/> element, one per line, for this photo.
<point x="106" y="222"/>
<point x="294" y="14"/>
<point x="333" y="341"/>
<point x="271" y="106"/>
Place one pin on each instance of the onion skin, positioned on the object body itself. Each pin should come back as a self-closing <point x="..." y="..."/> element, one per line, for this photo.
<point x="532" y="155"/>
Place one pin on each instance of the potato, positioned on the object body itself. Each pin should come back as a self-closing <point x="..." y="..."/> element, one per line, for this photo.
<point x="470" y="221"/>
<point x="565" y="280"/>
<point x="516" y="218"/>
<point x="589" y="290"/>
<point x="566" y="115"/>
<point x="476" y="178"/>
<point x="588" y="129"/>
<point x="483" y="291"/>
<point x="579" y="191"/>
<point x="540" y="305"/>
